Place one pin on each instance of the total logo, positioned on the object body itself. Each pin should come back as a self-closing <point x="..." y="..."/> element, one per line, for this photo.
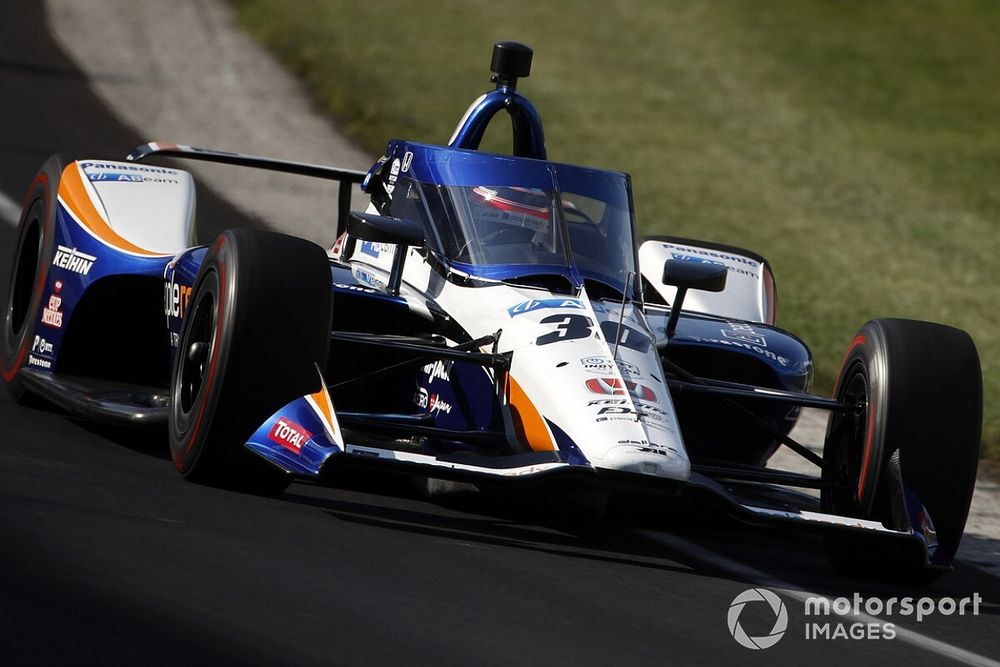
<point x="616" y="387"/>
<point x="289" y="435"/>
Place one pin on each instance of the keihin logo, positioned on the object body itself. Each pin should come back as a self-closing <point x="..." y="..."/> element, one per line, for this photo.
<point x="73" y="260"/>
<point x="774" y="605"/>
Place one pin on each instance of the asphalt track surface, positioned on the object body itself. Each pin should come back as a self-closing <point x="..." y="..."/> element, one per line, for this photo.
<point x="107" y="556"/>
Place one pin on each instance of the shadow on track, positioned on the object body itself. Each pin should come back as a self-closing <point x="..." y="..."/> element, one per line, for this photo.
<point x="49" y="108"/>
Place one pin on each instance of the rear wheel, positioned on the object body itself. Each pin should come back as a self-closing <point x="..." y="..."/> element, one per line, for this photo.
<point x="29" y="273"/>
<point x="257" y="325"/>
<point x="918" y="388"/>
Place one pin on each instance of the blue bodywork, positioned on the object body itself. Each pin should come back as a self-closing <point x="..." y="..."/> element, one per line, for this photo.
<point x="317" y="448"/>
<point x="529" y="138"/>
<point x="65" y="286"/>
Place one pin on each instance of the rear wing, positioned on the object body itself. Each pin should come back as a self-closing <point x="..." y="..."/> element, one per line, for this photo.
<point x="346" y="177"/>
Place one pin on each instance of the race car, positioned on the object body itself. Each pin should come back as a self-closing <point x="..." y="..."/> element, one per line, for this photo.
<point x="488" y="320"/>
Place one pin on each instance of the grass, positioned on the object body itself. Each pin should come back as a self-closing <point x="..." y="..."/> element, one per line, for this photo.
<point x="854" y="144"/>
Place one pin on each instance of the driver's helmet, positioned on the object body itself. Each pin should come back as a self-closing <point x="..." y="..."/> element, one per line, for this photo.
<point x="508" y="207"/>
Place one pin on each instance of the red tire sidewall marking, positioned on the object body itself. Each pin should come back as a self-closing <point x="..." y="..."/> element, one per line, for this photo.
<point x="43" y="273"/>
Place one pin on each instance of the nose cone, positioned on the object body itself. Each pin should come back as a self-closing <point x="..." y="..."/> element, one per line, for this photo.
<point x="611" y="406"/>
<point x="659" y="461"/>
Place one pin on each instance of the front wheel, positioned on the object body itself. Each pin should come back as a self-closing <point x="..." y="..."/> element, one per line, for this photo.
<point x="29" y="274"/>
<point x="918" y="391"/>
<point x="257" y="326"/>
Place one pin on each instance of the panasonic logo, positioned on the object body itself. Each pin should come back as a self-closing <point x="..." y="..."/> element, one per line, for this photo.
<point x="127" y="167"/>
<point x="73" y="260"/>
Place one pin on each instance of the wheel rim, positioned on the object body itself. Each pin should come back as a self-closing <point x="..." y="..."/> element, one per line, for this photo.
<point x="846" y="443"/>
<point x="25" y="272"/>
<point x="195" y="351"/>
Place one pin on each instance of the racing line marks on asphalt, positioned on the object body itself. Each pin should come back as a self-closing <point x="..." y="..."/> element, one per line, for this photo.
<point x="753" y="576"/>
<point x="10" y="211"/>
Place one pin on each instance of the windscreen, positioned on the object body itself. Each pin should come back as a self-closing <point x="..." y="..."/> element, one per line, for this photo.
<point x="508" y="218"/>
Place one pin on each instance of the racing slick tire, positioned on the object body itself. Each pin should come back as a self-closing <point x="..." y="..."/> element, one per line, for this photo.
<point x="918" y="386"/>
<point x="29" y="273"/>
<point x="257" y="326"/>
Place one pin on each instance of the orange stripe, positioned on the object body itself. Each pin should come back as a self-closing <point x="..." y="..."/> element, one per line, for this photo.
<point x="527" y="416"/>
<point x="74" y="195"/>
<point x="322" y="400"/>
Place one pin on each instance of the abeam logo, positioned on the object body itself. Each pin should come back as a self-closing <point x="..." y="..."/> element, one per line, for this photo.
<point x="289" y="435"/>
<point x="73" y="260"/>
<point x="775" y="607"/>
<point x="538" y="304"/>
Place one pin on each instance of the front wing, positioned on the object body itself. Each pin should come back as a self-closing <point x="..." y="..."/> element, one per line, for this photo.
<point x="305" y="439"/>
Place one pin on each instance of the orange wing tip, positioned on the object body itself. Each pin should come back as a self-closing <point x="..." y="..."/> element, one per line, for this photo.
<point x="322" y="405"/>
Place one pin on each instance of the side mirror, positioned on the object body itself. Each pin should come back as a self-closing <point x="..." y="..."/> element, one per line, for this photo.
<point x="695" y="275"/>
<point x="382" y="229"/>
<point x="685" y="275"/>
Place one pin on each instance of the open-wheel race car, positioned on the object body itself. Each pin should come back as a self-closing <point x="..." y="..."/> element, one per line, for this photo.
<point x="488" y="320"/>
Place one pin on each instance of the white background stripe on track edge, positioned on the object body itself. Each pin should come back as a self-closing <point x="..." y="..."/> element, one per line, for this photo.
<point x="756" y="577"/>
<point x="10" y="210"/>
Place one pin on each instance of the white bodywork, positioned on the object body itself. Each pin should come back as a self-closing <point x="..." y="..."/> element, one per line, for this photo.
<point x="151" y="207"/>
<point x="618" y="413"/>
<point x="749" y="293"/>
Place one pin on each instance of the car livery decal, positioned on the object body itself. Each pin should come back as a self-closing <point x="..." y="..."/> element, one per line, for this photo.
<point x="322" y="405"/>
<point x="538" y="304"/>
<point x="76" y="200"/>
<point x="536" y="432"/>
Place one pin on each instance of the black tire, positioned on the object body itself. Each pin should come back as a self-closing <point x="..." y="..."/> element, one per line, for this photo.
<point x="919" y="389"/>
<point x="29" y="272"/>
<point x="257" y="325"/>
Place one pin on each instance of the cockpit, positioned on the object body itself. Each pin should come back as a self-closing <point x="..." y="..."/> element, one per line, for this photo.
<point x="498" y="217"/>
